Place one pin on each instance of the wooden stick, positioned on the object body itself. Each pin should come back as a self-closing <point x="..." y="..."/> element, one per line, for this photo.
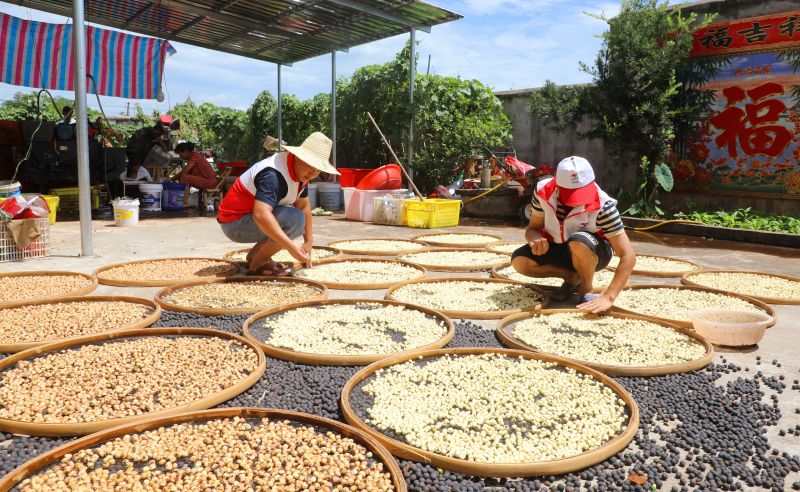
<point x="421" y="198"/>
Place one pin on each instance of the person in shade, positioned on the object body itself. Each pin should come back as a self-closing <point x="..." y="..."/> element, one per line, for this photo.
<point x="198" y="173"/>
<point x="268" y="204"/>
<point x="575" y="229"/>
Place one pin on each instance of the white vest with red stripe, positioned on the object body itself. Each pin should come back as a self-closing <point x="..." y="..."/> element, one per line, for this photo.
<point x="581" y="217"/>
<point x="239" y="201"/>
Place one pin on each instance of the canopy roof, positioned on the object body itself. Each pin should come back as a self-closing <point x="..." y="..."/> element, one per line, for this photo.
<point x="276" y="31"/>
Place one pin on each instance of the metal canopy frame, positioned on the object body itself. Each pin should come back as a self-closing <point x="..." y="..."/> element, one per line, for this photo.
<point x="282" y="32"/>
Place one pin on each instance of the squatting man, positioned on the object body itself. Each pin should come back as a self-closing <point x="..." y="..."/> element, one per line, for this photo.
<point x="268" y="204"/>
<point x="575" y="229"/>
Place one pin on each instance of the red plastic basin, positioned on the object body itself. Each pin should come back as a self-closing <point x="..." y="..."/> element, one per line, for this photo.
<point x="388" y="177"/>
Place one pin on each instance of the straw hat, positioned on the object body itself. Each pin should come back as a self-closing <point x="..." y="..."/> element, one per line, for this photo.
<point x="315" y="151"/>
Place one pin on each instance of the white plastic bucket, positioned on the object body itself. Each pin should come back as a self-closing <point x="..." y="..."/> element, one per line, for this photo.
<point x="9" y="189"/>
<point x="126" y="212"/>
<point x="313" y="194"/>
<point x="330" y="196"/>
<point x="151" y="196"/>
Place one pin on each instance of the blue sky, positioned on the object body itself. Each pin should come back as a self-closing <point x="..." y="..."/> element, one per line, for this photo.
<point x="506" y="44"/>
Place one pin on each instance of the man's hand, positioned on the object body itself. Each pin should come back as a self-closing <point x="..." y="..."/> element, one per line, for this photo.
<point x="539" y="246"/>
<point x="308" y="247"/>
<point x="598" y="305"/>
<point x="299" y="254"/>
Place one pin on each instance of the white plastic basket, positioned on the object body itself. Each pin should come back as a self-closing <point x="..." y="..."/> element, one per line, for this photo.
<point x="39" y="248"/>
<point x="389" y="210"/>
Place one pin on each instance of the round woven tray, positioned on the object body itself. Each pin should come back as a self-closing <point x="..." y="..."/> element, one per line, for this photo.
<point x="49" y="273"/>
<point x="382" y="285"/>
<point x="648" y="273"/>
<point x="490" y="247"/>
<point x="81" y="428"/>
<point x="342" y="360"/>
<point x="230" y="254"/>
<point x="496" y="274"/>
<point x="323" y="294"/>
<point x="463" y="268"/>
<point x="557" y="467"/>
<point x="233" y="269"/>
<point x="413" y="247"/>
<point x="43" y="460"/>
<point x="507" y="338"/>
<point x="152" y="318"/>
<point x="421" y="237"/>
<point x="688" y="324"/>
<point x="687" y="280"/>
<point x="476" y="314"/>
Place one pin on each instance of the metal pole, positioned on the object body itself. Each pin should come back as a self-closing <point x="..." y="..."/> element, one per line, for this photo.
<point x="82" y="130"/>
<point x="280" y="111"/>
<point x="411" y="73"/>
<point x="333" y="106"/>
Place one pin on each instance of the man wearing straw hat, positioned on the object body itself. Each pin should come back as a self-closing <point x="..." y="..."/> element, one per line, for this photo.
<point x="268" y="204"/>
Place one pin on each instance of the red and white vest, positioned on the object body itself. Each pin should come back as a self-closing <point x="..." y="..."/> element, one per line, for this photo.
<point x="241" y="198"/>
<point x="581" y="217"/>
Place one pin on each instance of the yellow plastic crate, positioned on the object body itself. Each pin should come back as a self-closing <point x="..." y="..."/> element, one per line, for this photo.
<point x="52" y="203"/>
<point x="433" y="213"/>
<point x="69" y="198"/>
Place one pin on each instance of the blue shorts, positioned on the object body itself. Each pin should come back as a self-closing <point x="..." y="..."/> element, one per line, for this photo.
<point x="245" y="230"/>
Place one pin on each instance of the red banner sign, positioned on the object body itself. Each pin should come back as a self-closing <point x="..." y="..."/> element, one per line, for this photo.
<point x="754" y="34"/>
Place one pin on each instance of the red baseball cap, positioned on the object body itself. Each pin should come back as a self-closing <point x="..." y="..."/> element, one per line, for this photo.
<point x="575" y="180"/>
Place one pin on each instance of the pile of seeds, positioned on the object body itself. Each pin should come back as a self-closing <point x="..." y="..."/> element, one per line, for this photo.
<point x="607" y="340"/>
<point x="468" y="295"/>
<point x="676" y="304"/>
<point x="359" y="272"/>
<point x="378" y="246"/>
<point x="167" y="270"/>
<point x="492" y="408"/>
<point x="602" y="279"/>
<point x="284" y="256"/>
<point x="750" y="284"/>
<point x="464" y="240"/>
<point x="241" y="295"/>
<point x="646" y="263"/>
<point x="505" y="248"/>
<point x="121" y="378"/>
<point x="27" y="287"/>
<point x="349" y="329"/>
<point x="223" y="454"/>
<point x="67" y="319"/>
<point x="475" y="260"/>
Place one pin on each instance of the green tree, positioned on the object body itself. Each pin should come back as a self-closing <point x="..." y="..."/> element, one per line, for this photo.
<point x="23" y="106"/>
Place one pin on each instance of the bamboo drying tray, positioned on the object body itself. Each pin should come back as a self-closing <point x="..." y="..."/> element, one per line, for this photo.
<point x="232" y="270"/>
<point x="230" y="254"/>
<point x="43" y="460"/>
<point x="557" y="467"/>
<point x="413" y="246"/>
<point x="464" y="268"/>
<point x="382" y="285"/>
<point x="687" y="280"/>
<point x="421" y="237"/>
<point x="50" y="273"/>
<point x="81" y="428"/>
<point x="647" y="273"/>
<point x="149" y="320"/>
<point x="476" y="314"/>
<point x="323" y="294"/>
<point x="496" y="274"/>
<point x="342" y="360"/>
<point x="507" y="338"/>
<point x="688" y="324"/>
<point x="490" y="246"/>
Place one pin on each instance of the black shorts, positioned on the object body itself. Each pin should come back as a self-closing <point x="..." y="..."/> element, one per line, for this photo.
<point x="559" y="254"/>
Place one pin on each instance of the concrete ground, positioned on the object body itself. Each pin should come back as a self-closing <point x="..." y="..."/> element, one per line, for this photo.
<point x="201" y="237"/>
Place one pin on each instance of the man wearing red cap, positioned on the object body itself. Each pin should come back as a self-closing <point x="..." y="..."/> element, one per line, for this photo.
<point x="574" y="231"/>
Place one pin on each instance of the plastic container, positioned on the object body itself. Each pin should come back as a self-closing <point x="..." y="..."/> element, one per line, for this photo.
<point x="388" y="177"/>
<point x="68" y="198"/>
<point x="237" y="168"/>
<point x="313" y="194"/>
<point x="433" y="213"/>
<point x="126" y="212"/>
<point x="9" y="189"/>
<point x="389" y="210"/>
<point x="172" y="196"/>
<point x="350" y="177"/>
<point x="330" y="196"/>
<point x="730" y="328"/>
<point x="151" y="196"/>
<point x="360" y="204"/>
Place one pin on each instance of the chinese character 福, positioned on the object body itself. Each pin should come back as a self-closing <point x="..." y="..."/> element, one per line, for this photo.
<point x="719" y="38"/>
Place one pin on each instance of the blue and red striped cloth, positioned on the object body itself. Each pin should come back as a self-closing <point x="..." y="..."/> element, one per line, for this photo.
<point x="39" y="54"/>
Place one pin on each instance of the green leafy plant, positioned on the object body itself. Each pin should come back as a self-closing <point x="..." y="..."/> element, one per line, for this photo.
<point x="745" y="218"/>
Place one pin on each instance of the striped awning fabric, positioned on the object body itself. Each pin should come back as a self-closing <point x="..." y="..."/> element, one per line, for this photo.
<point x="39" y="54"/>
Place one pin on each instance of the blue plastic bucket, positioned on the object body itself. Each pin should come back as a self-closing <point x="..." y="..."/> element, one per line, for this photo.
<point x="172" y="196"/>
